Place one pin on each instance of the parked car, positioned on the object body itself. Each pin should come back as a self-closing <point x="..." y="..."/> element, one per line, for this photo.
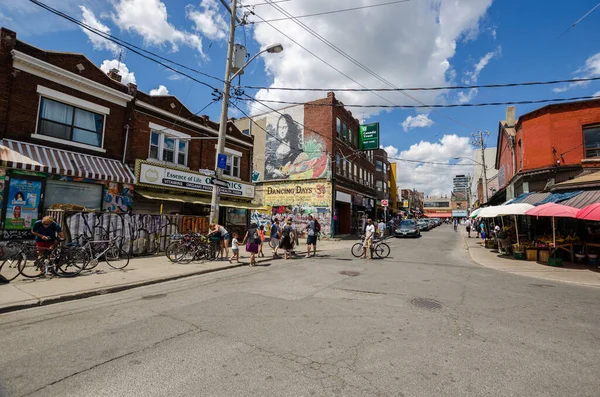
<point x="423" y="225"/>
<point x="432" y="223"/>
<point x="407" y="228"/>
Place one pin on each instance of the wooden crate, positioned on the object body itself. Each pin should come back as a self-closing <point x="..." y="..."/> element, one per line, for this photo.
<point x="543" y="256"/>
<point x="531" y="254"/>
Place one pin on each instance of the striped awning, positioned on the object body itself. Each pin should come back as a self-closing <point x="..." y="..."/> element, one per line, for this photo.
<point x="584" y="199"/>
<point x="28" y="156"/>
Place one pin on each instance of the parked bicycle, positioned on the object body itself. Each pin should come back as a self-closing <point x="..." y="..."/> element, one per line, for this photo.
<point x="109" y="251"/>
<point x="194" y="246"/>
<point x="34" y="262"/>
<point x="380" y="248"/>
<point x="9" y="269"/>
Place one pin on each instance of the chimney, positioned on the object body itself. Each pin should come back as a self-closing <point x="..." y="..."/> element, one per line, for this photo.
<point x="114" y="74"/>
<point x="510" y="116"/>
<point x="131" y="88"/>
<point x="9" y="39"/>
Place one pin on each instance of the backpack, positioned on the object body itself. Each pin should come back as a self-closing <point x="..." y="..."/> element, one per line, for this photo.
<point x="286" y="232"/>
<point x="256" y="237"/>
<point x="317" y="226"/>
<point x="274" y="230"/>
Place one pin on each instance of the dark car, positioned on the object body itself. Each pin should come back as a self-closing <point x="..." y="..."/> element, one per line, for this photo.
<point x="424" y="225"/>
<point x="407" y="228"/>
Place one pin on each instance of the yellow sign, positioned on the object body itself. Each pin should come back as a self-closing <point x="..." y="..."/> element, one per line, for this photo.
<point x="315" y="194"/>
<point x="405" y="203"/>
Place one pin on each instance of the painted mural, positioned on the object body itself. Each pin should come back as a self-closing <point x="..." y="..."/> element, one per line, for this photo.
<point x="291" y="153"/>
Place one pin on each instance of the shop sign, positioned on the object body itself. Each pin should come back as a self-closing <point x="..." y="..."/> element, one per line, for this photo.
<point x="369" y="136"/>
<point x="405" y="203"/>
<point x="22" y="203"/>
<point x="343" y="197"/>
<point x="311" y="194"/>
<point x="156" y="175"/>
<point x="459" y="213"/>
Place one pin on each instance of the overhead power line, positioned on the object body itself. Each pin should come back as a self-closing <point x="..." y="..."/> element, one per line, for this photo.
<point x="580" y="19"/>
<point x="438" y="106"/>
<point x="330" y="12"/>
<point x="441" y="88"/>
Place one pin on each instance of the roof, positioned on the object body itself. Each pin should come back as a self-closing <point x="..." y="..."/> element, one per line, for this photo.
<point x="589" y="180"/>
<point x="584" y="199"/>
<point x="558" y="106"/>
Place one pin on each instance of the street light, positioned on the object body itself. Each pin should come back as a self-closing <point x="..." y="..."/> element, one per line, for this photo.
<point x="276" y="48"/>
<point x="485" y="186"/>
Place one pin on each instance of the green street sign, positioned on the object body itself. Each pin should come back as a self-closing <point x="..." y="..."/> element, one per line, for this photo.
<point x="369" y="136"/>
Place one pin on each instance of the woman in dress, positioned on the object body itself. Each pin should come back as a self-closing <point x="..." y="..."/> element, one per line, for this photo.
<point x="252" y="241"/>
<point x="287" y="236"/>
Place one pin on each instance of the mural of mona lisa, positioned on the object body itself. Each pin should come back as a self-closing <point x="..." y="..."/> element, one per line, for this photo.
<point x="283" y="149"/>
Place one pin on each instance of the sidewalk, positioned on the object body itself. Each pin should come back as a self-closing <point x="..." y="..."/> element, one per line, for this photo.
<point x="23" y="293"/>
<point x="572" y="273"/>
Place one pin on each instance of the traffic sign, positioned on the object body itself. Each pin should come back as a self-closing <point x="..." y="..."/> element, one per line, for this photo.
<point x="218" y="182"/>
<point x="384" y="203"/>
<point x="222" y="161"/>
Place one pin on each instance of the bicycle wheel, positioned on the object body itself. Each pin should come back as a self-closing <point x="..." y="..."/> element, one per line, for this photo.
<point x="32" y="268"/>
<point x="186" y="253"/>
<point x="357" y="250"/>
<point x="71" y="262"/>
<point x="9" y="269"/>
<point x="116" y="257"/>
<point x="174" y="250"/>
<point x="382" y="250"/>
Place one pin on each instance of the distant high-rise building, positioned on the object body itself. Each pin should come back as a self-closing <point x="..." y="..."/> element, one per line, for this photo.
<point x="460" y="183"/>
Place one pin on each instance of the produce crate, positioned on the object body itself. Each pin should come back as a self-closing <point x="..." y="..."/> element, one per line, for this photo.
<point x="532" y="254"/>
<point x="543" y="256"/>
<point x="556" y="262"/>
<point x="519" y="255"/>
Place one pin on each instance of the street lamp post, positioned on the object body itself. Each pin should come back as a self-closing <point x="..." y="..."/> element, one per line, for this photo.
<point x="216" y="198"/>
<point x="485" y="186"/>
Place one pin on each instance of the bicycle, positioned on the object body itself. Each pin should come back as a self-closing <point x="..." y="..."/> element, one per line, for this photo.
<point x="380" y="248"/>
<point x="58" y="260"/>
<point x="9" y="269"/>
<point x="189" y="247"/>
<point x="114" y="256"/>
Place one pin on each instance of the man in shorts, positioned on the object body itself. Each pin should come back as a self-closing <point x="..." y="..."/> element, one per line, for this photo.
<point x="369" y="235"/>
<point x="275" y="237"/>
<point x="46" y="231"/>
<point x="311" y="239"/>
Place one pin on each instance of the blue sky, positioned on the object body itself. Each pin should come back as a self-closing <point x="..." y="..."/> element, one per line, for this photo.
<point x="416" y="43"/>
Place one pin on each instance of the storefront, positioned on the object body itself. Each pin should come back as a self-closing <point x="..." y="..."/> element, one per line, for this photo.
<point x="298" y="200"/>
<point x="343" y="219"/>
<point x="165" y="189"/>
<point x="35" y="179"/>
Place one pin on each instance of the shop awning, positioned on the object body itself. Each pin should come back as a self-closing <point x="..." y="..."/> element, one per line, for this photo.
<point x="438" y="215"/>
<point x="28" y="156"/>
<point x="243" y="206"/>
<point x="584" y="199"/>
<point x="182" y="198"/>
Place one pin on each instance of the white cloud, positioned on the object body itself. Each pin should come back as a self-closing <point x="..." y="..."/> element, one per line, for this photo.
<point x="149" y="19"/>
<point x="98" y="42"/>
<point x="419" y="121"/>
<point x="471" y="77"/>
<point x="433" y="179"/>
<point x="590" y="69"/>
<point x="382" y="38"/>
<point x="161" y="90"/>
<point x="597" y="94"/>
<point x="208" y="20"/>
<point x="126" y="76"/>
<point x="4" y="18"/>
<point x="175" y="76"/>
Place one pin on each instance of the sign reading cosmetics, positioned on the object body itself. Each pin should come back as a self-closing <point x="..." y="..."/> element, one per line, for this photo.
<point x="151" y="174"/>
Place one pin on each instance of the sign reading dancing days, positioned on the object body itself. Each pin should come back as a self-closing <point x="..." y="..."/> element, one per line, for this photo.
<point x="369" y="136"/>
<point x="156" y="175"/>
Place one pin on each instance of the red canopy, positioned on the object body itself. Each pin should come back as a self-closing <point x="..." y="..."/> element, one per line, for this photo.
<point x="590" y="213"/>
<point x="554" y="210"/>
<point x="438" y="215"/>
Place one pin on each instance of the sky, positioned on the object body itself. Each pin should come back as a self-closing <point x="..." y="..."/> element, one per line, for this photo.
<point x="410" y="43"/>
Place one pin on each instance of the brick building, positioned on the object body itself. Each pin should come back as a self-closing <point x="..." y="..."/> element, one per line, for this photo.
<point x="547" y="146"/>
<point x="72" y="136"/>
<point x="382" y="180"/>
<point x="311" y="164"/>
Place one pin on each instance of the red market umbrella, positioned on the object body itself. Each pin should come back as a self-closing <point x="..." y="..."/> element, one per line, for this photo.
<point x="589" y="213"/>
<point x="554" y="210"/>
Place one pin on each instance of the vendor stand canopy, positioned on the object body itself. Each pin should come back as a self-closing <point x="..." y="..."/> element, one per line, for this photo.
<point x="509" y="209"/>
<point x="589" y="213"/>
<point x="553" y="210"/>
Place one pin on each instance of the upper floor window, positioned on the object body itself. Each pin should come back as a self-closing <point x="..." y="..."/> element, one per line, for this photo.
<point x="246" y="131"/>
<point x="345" y="131"/>
<point x="338" y="126"/>
<point x="169" y="149"/>
<point x="379" y="165"/>
<point x="591" y="139"/>
<point x="355" y="139"/>
<point x="379" y="185"/>
<point x="70" y="123"/>
<point x="337" y="163"/>
<point x="233" y="166"/>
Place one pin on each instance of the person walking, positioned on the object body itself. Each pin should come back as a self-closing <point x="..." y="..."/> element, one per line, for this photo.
<point x="468" y="227"/>
<point x="482" y="232"/>
<point x="224" y="234"/>
<point x="235" y="248"/>
<point x="275" y="237"/>
<point x="381" y="228"/>
<point x="287" y="236"/>
<point x="295" y="241"/>
<point x="369" y="234"/>
<point x="312" y="232"/>
<point x="261" y="234"/>
<point x="252" y="241"/>
<point x="455" y="224"/>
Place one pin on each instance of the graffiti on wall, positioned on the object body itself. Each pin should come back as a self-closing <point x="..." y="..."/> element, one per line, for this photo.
<point x="291" y="152"/>
<point x="116" y="200"/>
<point x="299" y="215"/>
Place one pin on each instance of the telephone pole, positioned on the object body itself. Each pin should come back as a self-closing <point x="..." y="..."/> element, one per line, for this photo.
<point x="479" y="141"/>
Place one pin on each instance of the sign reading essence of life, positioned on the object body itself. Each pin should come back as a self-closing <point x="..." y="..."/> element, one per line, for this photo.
<point x="166" y="177"/>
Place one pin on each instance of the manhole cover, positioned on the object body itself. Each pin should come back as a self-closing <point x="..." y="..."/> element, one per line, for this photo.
<point x="426" y="303"/>
<point x="157" y="296"/>
<point x="349" y="273"/>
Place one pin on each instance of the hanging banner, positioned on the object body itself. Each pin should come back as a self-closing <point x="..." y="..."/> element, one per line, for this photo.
<point x="22" y="203"/>
<point x="369" y="136"/>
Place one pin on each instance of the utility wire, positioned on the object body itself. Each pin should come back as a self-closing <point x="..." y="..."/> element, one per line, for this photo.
<point x="454" y="87"/>
<point x="579" y="20"/>
<point x="265" y="4"/>
<point x="439" y="106"/>
<point x="331" y="12"/>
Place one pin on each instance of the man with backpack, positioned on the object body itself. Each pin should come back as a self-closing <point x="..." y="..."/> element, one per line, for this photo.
<point x="313" y="228"/>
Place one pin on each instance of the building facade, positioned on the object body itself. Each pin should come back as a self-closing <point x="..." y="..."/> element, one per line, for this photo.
<point x="437" y="207"/>
<point x="307" y="162"/>
<point x="382" y="181"/>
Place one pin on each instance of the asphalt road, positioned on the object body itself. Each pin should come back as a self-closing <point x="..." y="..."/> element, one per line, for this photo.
<point x="304" y="328"/>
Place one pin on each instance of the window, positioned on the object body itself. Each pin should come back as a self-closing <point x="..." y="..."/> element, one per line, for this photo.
<point x="355" y="172"/>
<point x="338" y="126"/>
<point x="345" y="131"/>
<point x="350" y="140"/>
<point x="379" y="186"/>
<point x="379" y="166"/>
<point x="337" y="163"/>
<point x="355" y="139"/>
<point x="233" y="166"/>
<point x="70" y="123"/>
<point x="167" y="148"/>
<point x="591" y="139"/>
<point x="344" y="165"/>
<point x="246" y="131"/>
